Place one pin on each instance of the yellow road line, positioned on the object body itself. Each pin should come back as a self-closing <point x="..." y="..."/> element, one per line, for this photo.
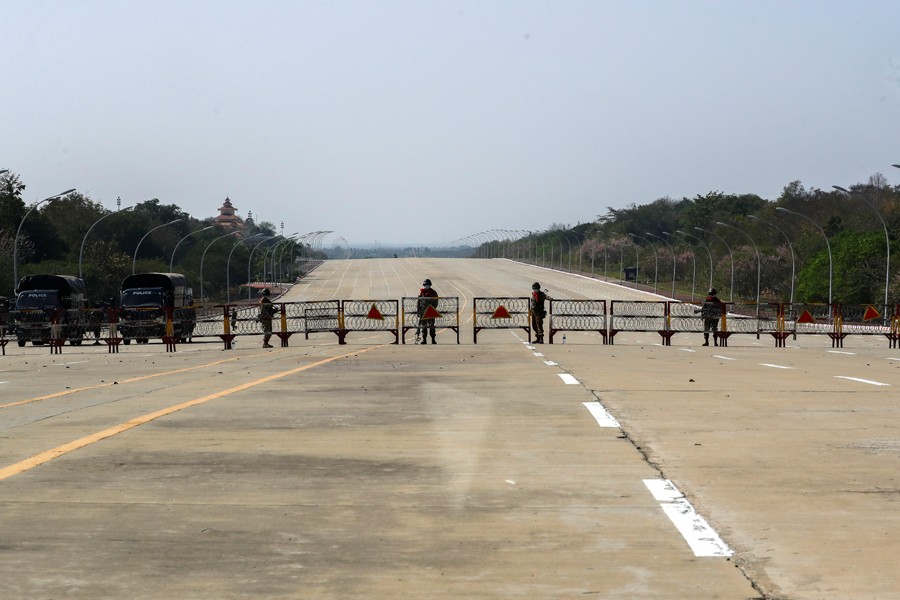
<point x="48" y="455"/>
<point x="102" y="385"/>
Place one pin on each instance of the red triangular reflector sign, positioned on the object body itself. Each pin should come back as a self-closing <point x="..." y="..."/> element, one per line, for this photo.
<point x="431" y="313"/>
<point x="871" y="313"/>
<point x="374" y="313"/>
<point x="806" y="318"/>
<point x="501" y="313"/>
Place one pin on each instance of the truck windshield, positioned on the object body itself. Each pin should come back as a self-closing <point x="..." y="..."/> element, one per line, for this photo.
<point x="143" y="298"/>
<point x="37" y="299"/>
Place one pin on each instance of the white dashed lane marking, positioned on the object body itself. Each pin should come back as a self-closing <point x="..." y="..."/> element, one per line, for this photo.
<point x="702" y="538"/>
<point x="869" y="381"/>
<point x="723" y="357"/>
<point x="568" y="379"/>
<point x="775" y="366"/>
<point x="604" y="419"/>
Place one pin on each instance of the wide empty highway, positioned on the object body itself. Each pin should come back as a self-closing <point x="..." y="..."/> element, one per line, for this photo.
<point x="496" y="470"/>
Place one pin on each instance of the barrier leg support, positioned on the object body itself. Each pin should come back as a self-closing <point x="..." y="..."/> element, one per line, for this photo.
<point x="780" y="336"/>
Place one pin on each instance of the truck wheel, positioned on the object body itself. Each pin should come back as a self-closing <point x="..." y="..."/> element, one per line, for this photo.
<point x="21" y="343"/>
<point x="126" y="341"/>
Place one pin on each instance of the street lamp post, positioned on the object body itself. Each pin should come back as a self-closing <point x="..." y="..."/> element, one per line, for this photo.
<point x="827" y="245"/>
<point x="172" y="259"/>
<point x="136" y="248"/>
<point x="292" y="241"/>
<point x="228" y="269"/>
<point x="575" y="237"/>
<point x="84" y="239"/>
<point x="708" y="252"/>
<point x="790" y="247"/>
<point x="19" y="231"/>
<point x="250" y="262"/>
<point x="758" y="259"/>
<point x="730" y="256"/>
<point x="569" y="244"/>
<point x="887" y="240"/>
<point x="637" y="262"/>
<point x="266" y="263"/>
<point x="694" y="267"/>
<point x="203" y="257"/>
<point x="655" y="261"/>
<point x="274" y="249"/>
<point x="319" y="239"/>
<point x="672" y="250"/>
<point x="228" y="272"/>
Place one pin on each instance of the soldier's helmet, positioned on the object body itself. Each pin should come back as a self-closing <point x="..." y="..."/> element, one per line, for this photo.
<point x="427" y="282"/>
<point x="535" y="286"/>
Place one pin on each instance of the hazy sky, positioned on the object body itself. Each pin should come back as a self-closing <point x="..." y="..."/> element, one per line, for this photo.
<point x="427" y="121"/>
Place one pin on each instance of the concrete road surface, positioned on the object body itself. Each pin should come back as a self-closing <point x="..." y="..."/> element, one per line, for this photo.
<point x="496" y="470"/>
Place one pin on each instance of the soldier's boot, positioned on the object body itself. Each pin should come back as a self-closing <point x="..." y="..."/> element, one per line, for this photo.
<point x="706" y="339"/>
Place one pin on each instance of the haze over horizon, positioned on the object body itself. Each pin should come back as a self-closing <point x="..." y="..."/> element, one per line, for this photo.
<point x="429" y="122"/>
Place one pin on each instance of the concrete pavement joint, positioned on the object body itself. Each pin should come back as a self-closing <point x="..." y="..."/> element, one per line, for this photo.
<point x="738" y="563"/>
<point x="703" y="540"/>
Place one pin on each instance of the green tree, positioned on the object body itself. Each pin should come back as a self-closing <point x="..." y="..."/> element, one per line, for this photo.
<point x="70" y="218"/>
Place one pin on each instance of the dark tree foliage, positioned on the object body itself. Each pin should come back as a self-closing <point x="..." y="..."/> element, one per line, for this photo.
<point x="782" y="254"/>
<point x="76" y="235"/>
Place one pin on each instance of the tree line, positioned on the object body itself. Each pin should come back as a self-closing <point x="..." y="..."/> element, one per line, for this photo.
<point x="807" y="245"/>
<point x="75" y="234"/>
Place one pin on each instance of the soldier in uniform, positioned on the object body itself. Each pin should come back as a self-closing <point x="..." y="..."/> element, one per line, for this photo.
<point x="266" y="313"/>
<point x="427" y="297"/>
<point x="711" y="311"/>
<point x="538" y="312"/>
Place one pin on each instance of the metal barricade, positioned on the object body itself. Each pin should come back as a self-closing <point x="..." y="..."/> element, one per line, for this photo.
<point x="862" y="319"/>
<point x="369" y="315"/>
<point x="443" y="310"/>
<point x="231" y="321"/>
<point x="319" y="316"/>
<point x="639" y="315"/>
<point x="685" y="317"/>
<point x="777" y="319"/>
<point x="501" y="313"/>
<point x="577" y="315"/>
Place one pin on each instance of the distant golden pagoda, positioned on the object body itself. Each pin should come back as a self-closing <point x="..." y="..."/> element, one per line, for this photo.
<point x="227" y="219"/>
